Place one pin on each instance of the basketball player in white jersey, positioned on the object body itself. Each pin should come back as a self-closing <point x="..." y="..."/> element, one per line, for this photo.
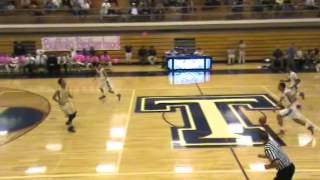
<point x="63" y="97"/>
<point x="293" y="83"/>
<point x="105" y="83"/>
<point x="290" y="109"/>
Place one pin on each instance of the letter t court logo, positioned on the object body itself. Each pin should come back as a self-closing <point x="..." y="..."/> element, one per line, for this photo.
<point x="212" y="120"/>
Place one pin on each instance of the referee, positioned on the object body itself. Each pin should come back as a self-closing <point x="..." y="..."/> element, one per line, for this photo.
<point x="278" y="159"/>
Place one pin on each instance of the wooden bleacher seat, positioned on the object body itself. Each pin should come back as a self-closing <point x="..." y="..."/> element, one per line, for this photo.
<point x="260" y="44"/>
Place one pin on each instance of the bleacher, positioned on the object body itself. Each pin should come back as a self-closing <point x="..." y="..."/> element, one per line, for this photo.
<point x="214" y="37"/>
<point x="196" y="11"/>
<point x="260" y="43"/>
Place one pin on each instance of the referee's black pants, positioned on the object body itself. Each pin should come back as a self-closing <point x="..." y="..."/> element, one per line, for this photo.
<point x="286" y="173"/>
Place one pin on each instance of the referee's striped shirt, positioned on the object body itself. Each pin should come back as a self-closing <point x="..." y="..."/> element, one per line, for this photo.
<point x="274" y="152"/>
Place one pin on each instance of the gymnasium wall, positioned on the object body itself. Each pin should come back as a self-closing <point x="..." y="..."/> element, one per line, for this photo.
<point x="260" y="43"/>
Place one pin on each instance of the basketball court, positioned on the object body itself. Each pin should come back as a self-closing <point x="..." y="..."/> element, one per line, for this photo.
<point x="145" y="135"/>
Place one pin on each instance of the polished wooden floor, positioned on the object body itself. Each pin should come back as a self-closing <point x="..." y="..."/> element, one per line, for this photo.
<point x="112" y="138"/>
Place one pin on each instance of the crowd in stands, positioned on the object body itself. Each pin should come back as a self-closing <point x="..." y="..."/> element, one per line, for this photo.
<point x="296" y="59"/>
<point x="52" y="62"/>
<point x="144" y="7"/>
<point x="25" y="62"/>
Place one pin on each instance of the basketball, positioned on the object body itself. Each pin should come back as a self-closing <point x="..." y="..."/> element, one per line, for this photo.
<point x="263" y="120"/>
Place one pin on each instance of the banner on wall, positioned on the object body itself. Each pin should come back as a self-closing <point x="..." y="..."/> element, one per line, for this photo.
<point x="80" y="42"/>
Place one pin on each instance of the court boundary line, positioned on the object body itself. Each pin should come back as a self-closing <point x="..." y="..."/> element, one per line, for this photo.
<point x="239" y="163"/>
<point x="276" y="96"/>
<point x="146" y="173"/>
<point x="199" y="89"/>
<point x="133" y="94"/>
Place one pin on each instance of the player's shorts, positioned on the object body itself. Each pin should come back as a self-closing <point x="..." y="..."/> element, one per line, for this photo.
<point x="128" y="55"/>
<point x="68" y="108"/>
<point x="294" y="91"/>
<point x="290" y="113"/>
<point x="105" y="84"/>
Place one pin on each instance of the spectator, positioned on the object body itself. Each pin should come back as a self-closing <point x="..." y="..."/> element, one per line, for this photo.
<point x="242" y="52"/>
<point x="269" y="4"/>
<point x="180" y="2"/>
<point x="115" y="2"/>
<point x="66" y="3"/>
<point x="34" y="4"/>
<point x="299" y="59"/>
<point x="105" y="6"/>
<point x="52" y="65"/>
<point x="13" y="65"/>
<point x="29" y="64"/>
<point x="58" y="3"/>
<point x="134" y="1"/>
<point x="159" y="10"/>
<point x="211" y="3"/>
<point x="133" y="11"/>
<point x="41" y="58"/>
<point x="19" y="49"/>
<point x="92" y="51"/>
<point x="106" y="59"/>
<point x="258" y="5"/>
<point x="2" y="5"/>
<point x="287" y="6"/>
<point x="65" y="61"/>
<point x="128" y="53"/>
<point x="76" y="6"/>
<point x="198" y="52"/>
<point x="52" y="5"/>
<point x="84" y="7"/>
<point x="85" y="52"/>
<point x="317" y="59"/>
<point x="279" y="4"/>
<point x="317" y="66"/>
<point x="144" y="8"/>
<point x="310" y="4"/>
<point x="278" y="63"/>
<point x="152" y="55"/>
<point x="231" y="55"/>
<point x="95" y="60"/>
<point x="142" y="52"/>
<point x="309" y="59"/>
<point x="73" y="53"/>
<point x="25" y="3"/>
<point x="15" y="48"/>
<point x="237" y="6"/>
<point x="172" y="52"/>
<point x="11" y="6"/>
<point x="291" y="53"/>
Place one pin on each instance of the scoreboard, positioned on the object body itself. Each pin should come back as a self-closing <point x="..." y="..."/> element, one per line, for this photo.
<point x="174" y="63"/>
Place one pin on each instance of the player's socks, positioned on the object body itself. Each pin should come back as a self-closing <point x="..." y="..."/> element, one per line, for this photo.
<point x="71" y="129"/>
<point x="310" y="128"/>
<point x="281" y="132"/>
<point x="102" y="97"/>
<point x="119" y="96"/>
<point x="71" y="117"/>
<point x="299" y="106"/>
<point x="68" y="122"/>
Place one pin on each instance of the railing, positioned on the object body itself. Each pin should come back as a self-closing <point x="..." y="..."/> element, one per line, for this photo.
<point x="221" y="12"/>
